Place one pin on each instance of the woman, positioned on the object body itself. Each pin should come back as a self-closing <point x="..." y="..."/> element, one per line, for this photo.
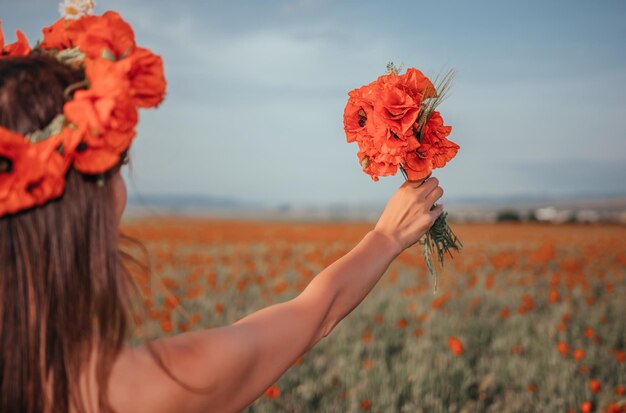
<point x="65" y="294"/>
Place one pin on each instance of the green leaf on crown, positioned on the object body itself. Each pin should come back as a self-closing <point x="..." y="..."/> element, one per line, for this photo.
<point x="52" y="129"/>
<point x="70" y="56"/>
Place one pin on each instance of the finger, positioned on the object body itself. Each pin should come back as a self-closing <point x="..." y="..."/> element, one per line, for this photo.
<point x="434" y="195"/>
<point x="429" y="185"/>
<point x="436" y="211"/>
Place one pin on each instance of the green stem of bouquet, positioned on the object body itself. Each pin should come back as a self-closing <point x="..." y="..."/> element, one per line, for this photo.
<point x="437" y="242"/>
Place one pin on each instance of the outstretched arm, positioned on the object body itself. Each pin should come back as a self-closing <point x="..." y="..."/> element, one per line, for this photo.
<point x="237" y="363"/>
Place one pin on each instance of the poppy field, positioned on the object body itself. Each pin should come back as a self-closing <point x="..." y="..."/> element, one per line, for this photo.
<point x="528" y="317"/>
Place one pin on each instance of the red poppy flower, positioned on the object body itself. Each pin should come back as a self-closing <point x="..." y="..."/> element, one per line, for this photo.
<point x="416" y="83"/>
<point x="615" y="408"/>
<point x="435" y="145"/>
<point x="272" y="392"/>
<point x="147" y="80"/>
<point x="105" y="115"/>
<point x="104" y="36"/>
<point x="58" y="36"/>
<point x="395" y="107"/>
<point x="30" y="173"/>
<point x="578" y="354"/>
<point x="594" y="385"/>
<point x="18" y="48"/>
<point x="456" y="346"/>
<point x="357" y="111"/>
<point x="586" y="407"/>
<point x="355" y="116"/>
<point x="416" y="166"/>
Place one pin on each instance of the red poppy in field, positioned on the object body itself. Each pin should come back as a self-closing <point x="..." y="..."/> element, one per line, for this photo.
<point x="589" y="333"/>
<point x="366" y="405"/>
<point x="280" y="287"/>
<point x="620" y="390"/>
<point x="194" y="319"/>
<point x="440" y="301"/>
<point x="527" y="304"/>
<point x="544" y="254"/>
<point x="578" y="354"/>
<point x="166" y="324"/>
<point x="553" y="296"/>
<point x="586" y="407"/>
<point x="563" y="348"/>
<point x="517" y="349"/>
<point x="272" y="392"/>
<point x="615" y="408"/>
<point x="171" y="302"/>
<point x="402" y="323"/>
<point x="456" y="346"/>
<point x="594" y="385"/>
<point x="366" y="338"/>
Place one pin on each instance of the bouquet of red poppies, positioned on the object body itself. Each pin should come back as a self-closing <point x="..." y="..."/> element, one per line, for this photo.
<point x="395" y="124"/>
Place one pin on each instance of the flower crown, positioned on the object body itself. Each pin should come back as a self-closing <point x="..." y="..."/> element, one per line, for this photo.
<point x="98" y="124"/>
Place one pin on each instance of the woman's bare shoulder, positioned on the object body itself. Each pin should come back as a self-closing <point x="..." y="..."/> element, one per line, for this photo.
<point x="139" y="384"/>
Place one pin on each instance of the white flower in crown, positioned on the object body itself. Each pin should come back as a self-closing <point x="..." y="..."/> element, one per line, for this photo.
<point x="75" y="9"/>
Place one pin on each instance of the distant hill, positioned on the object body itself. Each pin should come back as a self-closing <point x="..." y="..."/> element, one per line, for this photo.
<point x="464" y="208"/>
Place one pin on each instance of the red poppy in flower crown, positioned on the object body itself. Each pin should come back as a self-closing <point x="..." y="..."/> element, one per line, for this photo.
<point x="147" y="80"/>
<point x="19" y="48"/>
<point x="58" y="36"/>
<point x="30" y="173"/>
<point x="107" y="36"/>
<point x="98" y="122"/>
<point x="104" y="115"/>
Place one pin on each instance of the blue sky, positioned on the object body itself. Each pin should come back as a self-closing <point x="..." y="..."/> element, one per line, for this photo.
<point x="257" y="90"/>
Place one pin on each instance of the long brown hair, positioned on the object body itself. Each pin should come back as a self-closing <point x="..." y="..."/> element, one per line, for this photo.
<point x="63" y="287"/>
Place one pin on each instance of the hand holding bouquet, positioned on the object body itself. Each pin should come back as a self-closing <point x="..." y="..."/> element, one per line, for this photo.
<point x="394" y="122"/>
